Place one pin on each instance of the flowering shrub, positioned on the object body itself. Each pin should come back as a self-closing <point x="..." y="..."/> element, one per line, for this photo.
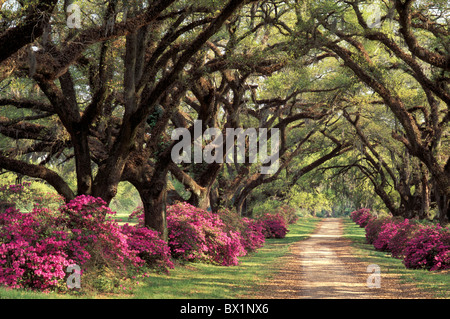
<point x="429" y="249"/>
<point x="31" y="255"/>
<point x="404" y="232"/>
<point x="138" y="214"/>
<point x="197" y="235"/>
<point x="96" y="237"/>
<point x="149" y="247"/>
<point x="250" y="230"/>
<point x="226" y="248"/>
<point x="387" y="231"/>
<point x="37" y="247"/>
<point x="361" y="216"/>
<point x="252" y="234"/>
<point x="373" y="228"/>
<point x="274" y="225"/>
<point x="12" y="193"/>
<point x="420" y="246"/>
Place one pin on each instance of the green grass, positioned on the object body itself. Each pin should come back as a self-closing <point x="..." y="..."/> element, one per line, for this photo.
<point x="204" y="281"/>
<point x="436" y="283"/>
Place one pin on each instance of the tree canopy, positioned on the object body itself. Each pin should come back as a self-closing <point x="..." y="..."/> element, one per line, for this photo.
<point x="358" y="91"/>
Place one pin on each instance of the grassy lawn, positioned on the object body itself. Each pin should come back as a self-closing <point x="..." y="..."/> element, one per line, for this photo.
<point x="203" y="281"/>
<point x="435" y="282"/>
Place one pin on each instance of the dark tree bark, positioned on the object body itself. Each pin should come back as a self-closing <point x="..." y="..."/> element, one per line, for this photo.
<point x="40" y="172"/>
<point x="28" y="30"/>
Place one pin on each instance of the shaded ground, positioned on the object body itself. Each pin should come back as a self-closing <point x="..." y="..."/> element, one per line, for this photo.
<point x="322" y="267"/>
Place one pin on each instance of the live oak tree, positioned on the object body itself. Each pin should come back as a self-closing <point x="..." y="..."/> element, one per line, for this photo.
<point x="397" y="178"/>
<point x="415" y="42"/>
<point x="213" y="105"/>
<point x="154" y="60"/>
<point x="22" y="26"/>
<point x="359" y="92"/>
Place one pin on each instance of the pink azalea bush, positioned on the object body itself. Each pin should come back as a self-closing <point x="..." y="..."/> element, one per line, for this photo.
<point x="421" y="246"/>
<point x="403" y="233"/>
<point x="94" y="232"/>
<point x="373" y="228"/>
<point x="219" y="238"/>
<point x="361" y="216"/>
<point x="31" y="256"/>
<point x="37" y="247"/>
<point x="149" y="247"/>
<point x="387" y="231"/>
<point x="429" y="249"/>
<point x="274" y="225"/>
<point x="251" y="230"/>
<point x="197" y="235"/>
<point x="252" y="234"/>
<point x="288" y="213"/>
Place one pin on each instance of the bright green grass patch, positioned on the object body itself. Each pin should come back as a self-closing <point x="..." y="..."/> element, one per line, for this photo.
<point x="437" y="283"/>
<point x="203" y="281"/>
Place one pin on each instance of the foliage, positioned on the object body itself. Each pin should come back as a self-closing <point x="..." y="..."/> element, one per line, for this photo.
<point x="361" y="217"/>
<point x="373" y="228"/>
<point x="311" y="202"/>
<point x="420" y="245"/>
<point x="149" y="247"/>
<point x="403" y="234"/>
<point x="289" y="214"/>
<point x="252" y="234"/>
<point x="37" y="247"/>
<point x="197" y="235"/>
<point x="28" y="195"/>
<point x="429" y="248"/>
<point x="32" y="256"/>
<point x="274" y="225"/>
<point x="126" y="200"/>
<point x="250" y="230"/>
<point x="387" y="232"/>
<point x="262" y="204"/>
<point x="89" y="219"/>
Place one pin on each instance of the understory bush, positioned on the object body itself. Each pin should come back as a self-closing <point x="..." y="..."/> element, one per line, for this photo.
<point x="251" y="230"/>
<point x="373" y="228"/>
<point x="361" y="217"/>
<point x="149" y="246"/>
<point x="37" y="247"/>
<point x="288" y="212"/>
<point x="29" y="195"/>
<point x="429" y="248"/>
<point x="419" y="245"/>
<point x="252" y="234"/>
<point x="403" y="233"/>
<point x="274" y="225"/>
<point x="95" y="232"/>
<point x="32" y="256"/>
<point x="387" y="231"/>
<point x="197" y="235"/>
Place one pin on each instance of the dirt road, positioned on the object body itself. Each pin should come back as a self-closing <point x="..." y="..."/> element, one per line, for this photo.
<point x="322" y="267"/>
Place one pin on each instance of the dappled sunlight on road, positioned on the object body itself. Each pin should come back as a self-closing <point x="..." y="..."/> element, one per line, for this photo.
<point x="323" y="267"/>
